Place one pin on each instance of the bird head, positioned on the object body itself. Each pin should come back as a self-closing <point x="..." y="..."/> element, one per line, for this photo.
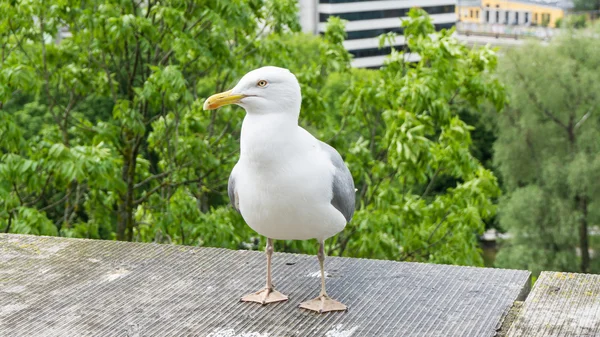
<point x="262" y="91"/>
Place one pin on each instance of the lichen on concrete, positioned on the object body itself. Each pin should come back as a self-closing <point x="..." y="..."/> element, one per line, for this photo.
<point x="560" y="304"/>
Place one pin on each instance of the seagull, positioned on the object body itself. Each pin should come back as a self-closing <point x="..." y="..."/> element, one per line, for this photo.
<point x="287" y="185"/>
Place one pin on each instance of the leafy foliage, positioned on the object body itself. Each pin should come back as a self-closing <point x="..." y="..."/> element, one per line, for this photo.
<point x="409" y="137"/>
<point x="103" y="135"/>
<point x="547" y="154"/>
<point x="586" y="5"/>
<point x="576" y="21"/>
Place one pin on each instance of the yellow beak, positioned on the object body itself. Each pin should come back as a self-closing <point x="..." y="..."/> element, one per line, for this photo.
<point x="219" y="100"/>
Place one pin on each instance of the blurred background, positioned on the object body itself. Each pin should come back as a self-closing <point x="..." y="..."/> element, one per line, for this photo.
<point x="472" y="128"/>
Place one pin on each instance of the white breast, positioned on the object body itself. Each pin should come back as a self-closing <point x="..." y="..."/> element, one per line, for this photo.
<point x="285" y="188"/>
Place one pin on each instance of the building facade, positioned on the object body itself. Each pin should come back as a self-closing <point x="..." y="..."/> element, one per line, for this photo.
<point x="368" y="19"/>
<point x="543" y="13"/>
<point x="469" y="11"/>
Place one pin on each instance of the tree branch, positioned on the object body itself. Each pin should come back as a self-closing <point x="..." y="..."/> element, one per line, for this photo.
<point x="17" y="192"/>
<point x="20" y="44"/>
<point x="439" y="224"/>
<point x="536" y="101"/>
<point x="149" y="193"/>
<point x="437" y="171"/>
<point x="10" y="216"/>
<point x="583" y="119"/>
<point x="56" y="202"/>
<point x="153" y="177"/>
<point x="41" y="193"/>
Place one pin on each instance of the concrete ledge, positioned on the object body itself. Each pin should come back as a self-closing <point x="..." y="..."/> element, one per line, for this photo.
<point x="561" y="304"/>
<point x="68" y="287"/>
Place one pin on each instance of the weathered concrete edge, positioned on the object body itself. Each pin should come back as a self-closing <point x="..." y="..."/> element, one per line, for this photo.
<point x="523" y="294"/>
<point x="512" y="313"/>
<point x="509" y="317"/>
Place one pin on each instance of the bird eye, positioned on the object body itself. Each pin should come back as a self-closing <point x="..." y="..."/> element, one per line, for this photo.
<point x="262" y="83"/>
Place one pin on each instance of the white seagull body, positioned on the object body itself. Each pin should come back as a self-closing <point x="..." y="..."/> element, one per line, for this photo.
<point x="284" y="190"/>
<point x="287" y="184"/>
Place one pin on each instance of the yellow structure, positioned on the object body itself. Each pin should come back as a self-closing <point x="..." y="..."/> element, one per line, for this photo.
<point x="469" y="11"/>
<point x="512" y="12"/>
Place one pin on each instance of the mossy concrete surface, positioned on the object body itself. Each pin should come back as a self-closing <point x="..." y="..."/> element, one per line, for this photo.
<point x="52" y="286"/>
<point x="560" y="305"/>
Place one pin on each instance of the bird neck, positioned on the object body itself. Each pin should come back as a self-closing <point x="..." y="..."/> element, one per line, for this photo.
<point x="267" y="138"/>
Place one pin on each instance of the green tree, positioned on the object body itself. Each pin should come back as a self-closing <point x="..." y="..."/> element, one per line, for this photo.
<point x="104" y="136"/>
<point x="576" y="21"/>
<point x="586" y="5"/>
<point x="410" y="137"/>
<point x="547" y="154"/>
<point x="119" y="146"/>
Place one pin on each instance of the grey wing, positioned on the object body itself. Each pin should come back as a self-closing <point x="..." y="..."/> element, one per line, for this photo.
<point x="344" y="194"/>
<point x="233" y="196"/>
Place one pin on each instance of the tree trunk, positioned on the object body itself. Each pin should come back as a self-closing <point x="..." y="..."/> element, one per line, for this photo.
<point x="125" y="215"/>
<point x="122" y="212"/>
<point x="583" y="236"/>
<point x="130" y="190"/>
<point x="10" y="216"/>
<point x="582" y="205"/>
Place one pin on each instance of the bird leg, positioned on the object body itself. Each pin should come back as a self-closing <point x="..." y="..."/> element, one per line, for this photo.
<point x="268" y="294"/>
<point x="323" y="303"/>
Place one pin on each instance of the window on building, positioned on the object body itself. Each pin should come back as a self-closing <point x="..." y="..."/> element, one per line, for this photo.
<point x="365" y="34"/>
<point x="375" y="51"/>
<point x="526" y="17"/>
<point x="516" y="18"/>
<point x="388" y="13"/>
<point x="477" y="13"/>
<point x="487" y="16"/>
<point x="506" y="17"/>
<point x="471" y="13"/>
<point x="497" y="17"/>
<point x="545" y="19"/>
<point x="535" y="17"/>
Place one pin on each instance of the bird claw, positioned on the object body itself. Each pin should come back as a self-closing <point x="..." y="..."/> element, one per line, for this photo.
<point x="265" y="296"/>
<point x="323" y="303"/>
